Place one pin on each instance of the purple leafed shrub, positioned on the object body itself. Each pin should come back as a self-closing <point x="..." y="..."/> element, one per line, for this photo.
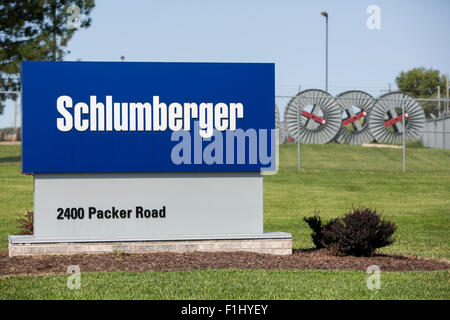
<point x="359" y="232"/>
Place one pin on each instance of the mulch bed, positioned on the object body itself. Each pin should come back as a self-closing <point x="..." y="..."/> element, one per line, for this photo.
<point x="166" y="261"/>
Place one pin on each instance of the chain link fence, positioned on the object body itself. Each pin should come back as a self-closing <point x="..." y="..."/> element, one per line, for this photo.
<point x="355" y="131"/>
<point x="349" y="131"/>
<point x="11" y="131"/>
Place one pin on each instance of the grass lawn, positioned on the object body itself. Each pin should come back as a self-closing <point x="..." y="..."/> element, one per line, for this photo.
<point x="334" y="177"/>
<point x="230" y="284"/>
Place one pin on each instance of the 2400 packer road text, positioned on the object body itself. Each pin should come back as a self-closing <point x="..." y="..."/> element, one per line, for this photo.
<point x="80" y="213"/>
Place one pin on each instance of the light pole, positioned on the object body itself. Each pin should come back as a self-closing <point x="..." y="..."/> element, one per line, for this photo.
<point x="325" y="14"/>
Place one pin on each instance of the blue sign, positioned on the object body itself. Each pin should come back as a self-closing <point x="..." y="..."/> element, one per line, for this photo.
<point x="147" y="117"/>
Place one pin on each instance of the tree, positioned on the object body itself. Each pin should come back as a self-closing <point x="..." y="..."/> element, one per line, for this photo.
<point x="36" y="30"/>
<point x="422" y="83"/>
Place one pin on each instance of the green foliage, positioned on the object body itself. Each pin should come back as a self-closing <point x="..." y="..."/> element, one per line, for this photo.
<point x="316" y="225"/>
<point x="34" y="30"/>
<point x="422" y="83"/>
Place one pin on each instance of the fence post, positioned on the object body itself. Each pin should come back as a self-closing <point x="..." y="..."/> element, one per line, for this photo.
<point x="443" y="127"/>
<point x="443" y="133"/>
<point x="435" y="133"/>
<point x="403" y="138"/>
<point x="298" y="141"/>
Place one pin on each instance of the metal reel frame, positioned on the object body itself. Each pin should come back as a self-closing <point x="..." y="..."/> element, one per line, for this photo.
<point x="390" y="130"/>
<point x="361" y="132"/>
<point x="311" y="127"/>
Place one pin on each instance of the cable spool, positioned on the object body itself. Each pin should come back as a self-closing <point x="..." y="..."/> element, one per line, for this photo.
<point x="313" y="116"/>
<point x="277" y="117"/>
<point x="284" y="133"/>
<point x="356" y="106"/>
<point x="278" y="125"/>
<point x="385" y="119"/>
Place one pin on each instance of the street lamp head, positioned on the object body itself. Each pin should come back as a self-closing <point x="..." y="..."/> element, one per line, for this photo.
<point x="324" y="13"/>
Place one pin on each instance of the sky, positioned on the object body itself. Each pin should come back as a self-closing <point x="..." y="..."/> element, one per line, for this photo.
<point x="289" y="33"/>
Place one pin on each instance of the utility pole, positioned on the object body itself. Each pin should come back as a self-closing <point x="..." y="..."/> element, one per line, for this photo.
<point x="325" y="14"/>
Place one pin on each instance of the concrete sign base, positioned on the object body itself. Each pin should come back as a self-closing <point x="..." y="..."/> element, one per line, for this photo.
<point x="278" y="243"/>
<point x="147" y="212"/>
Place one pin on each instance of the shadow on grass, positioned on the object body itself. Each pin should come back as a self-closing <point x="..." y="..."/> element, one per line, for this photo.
<point x="335" y="254"/>
<point x="10" y="159"/>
